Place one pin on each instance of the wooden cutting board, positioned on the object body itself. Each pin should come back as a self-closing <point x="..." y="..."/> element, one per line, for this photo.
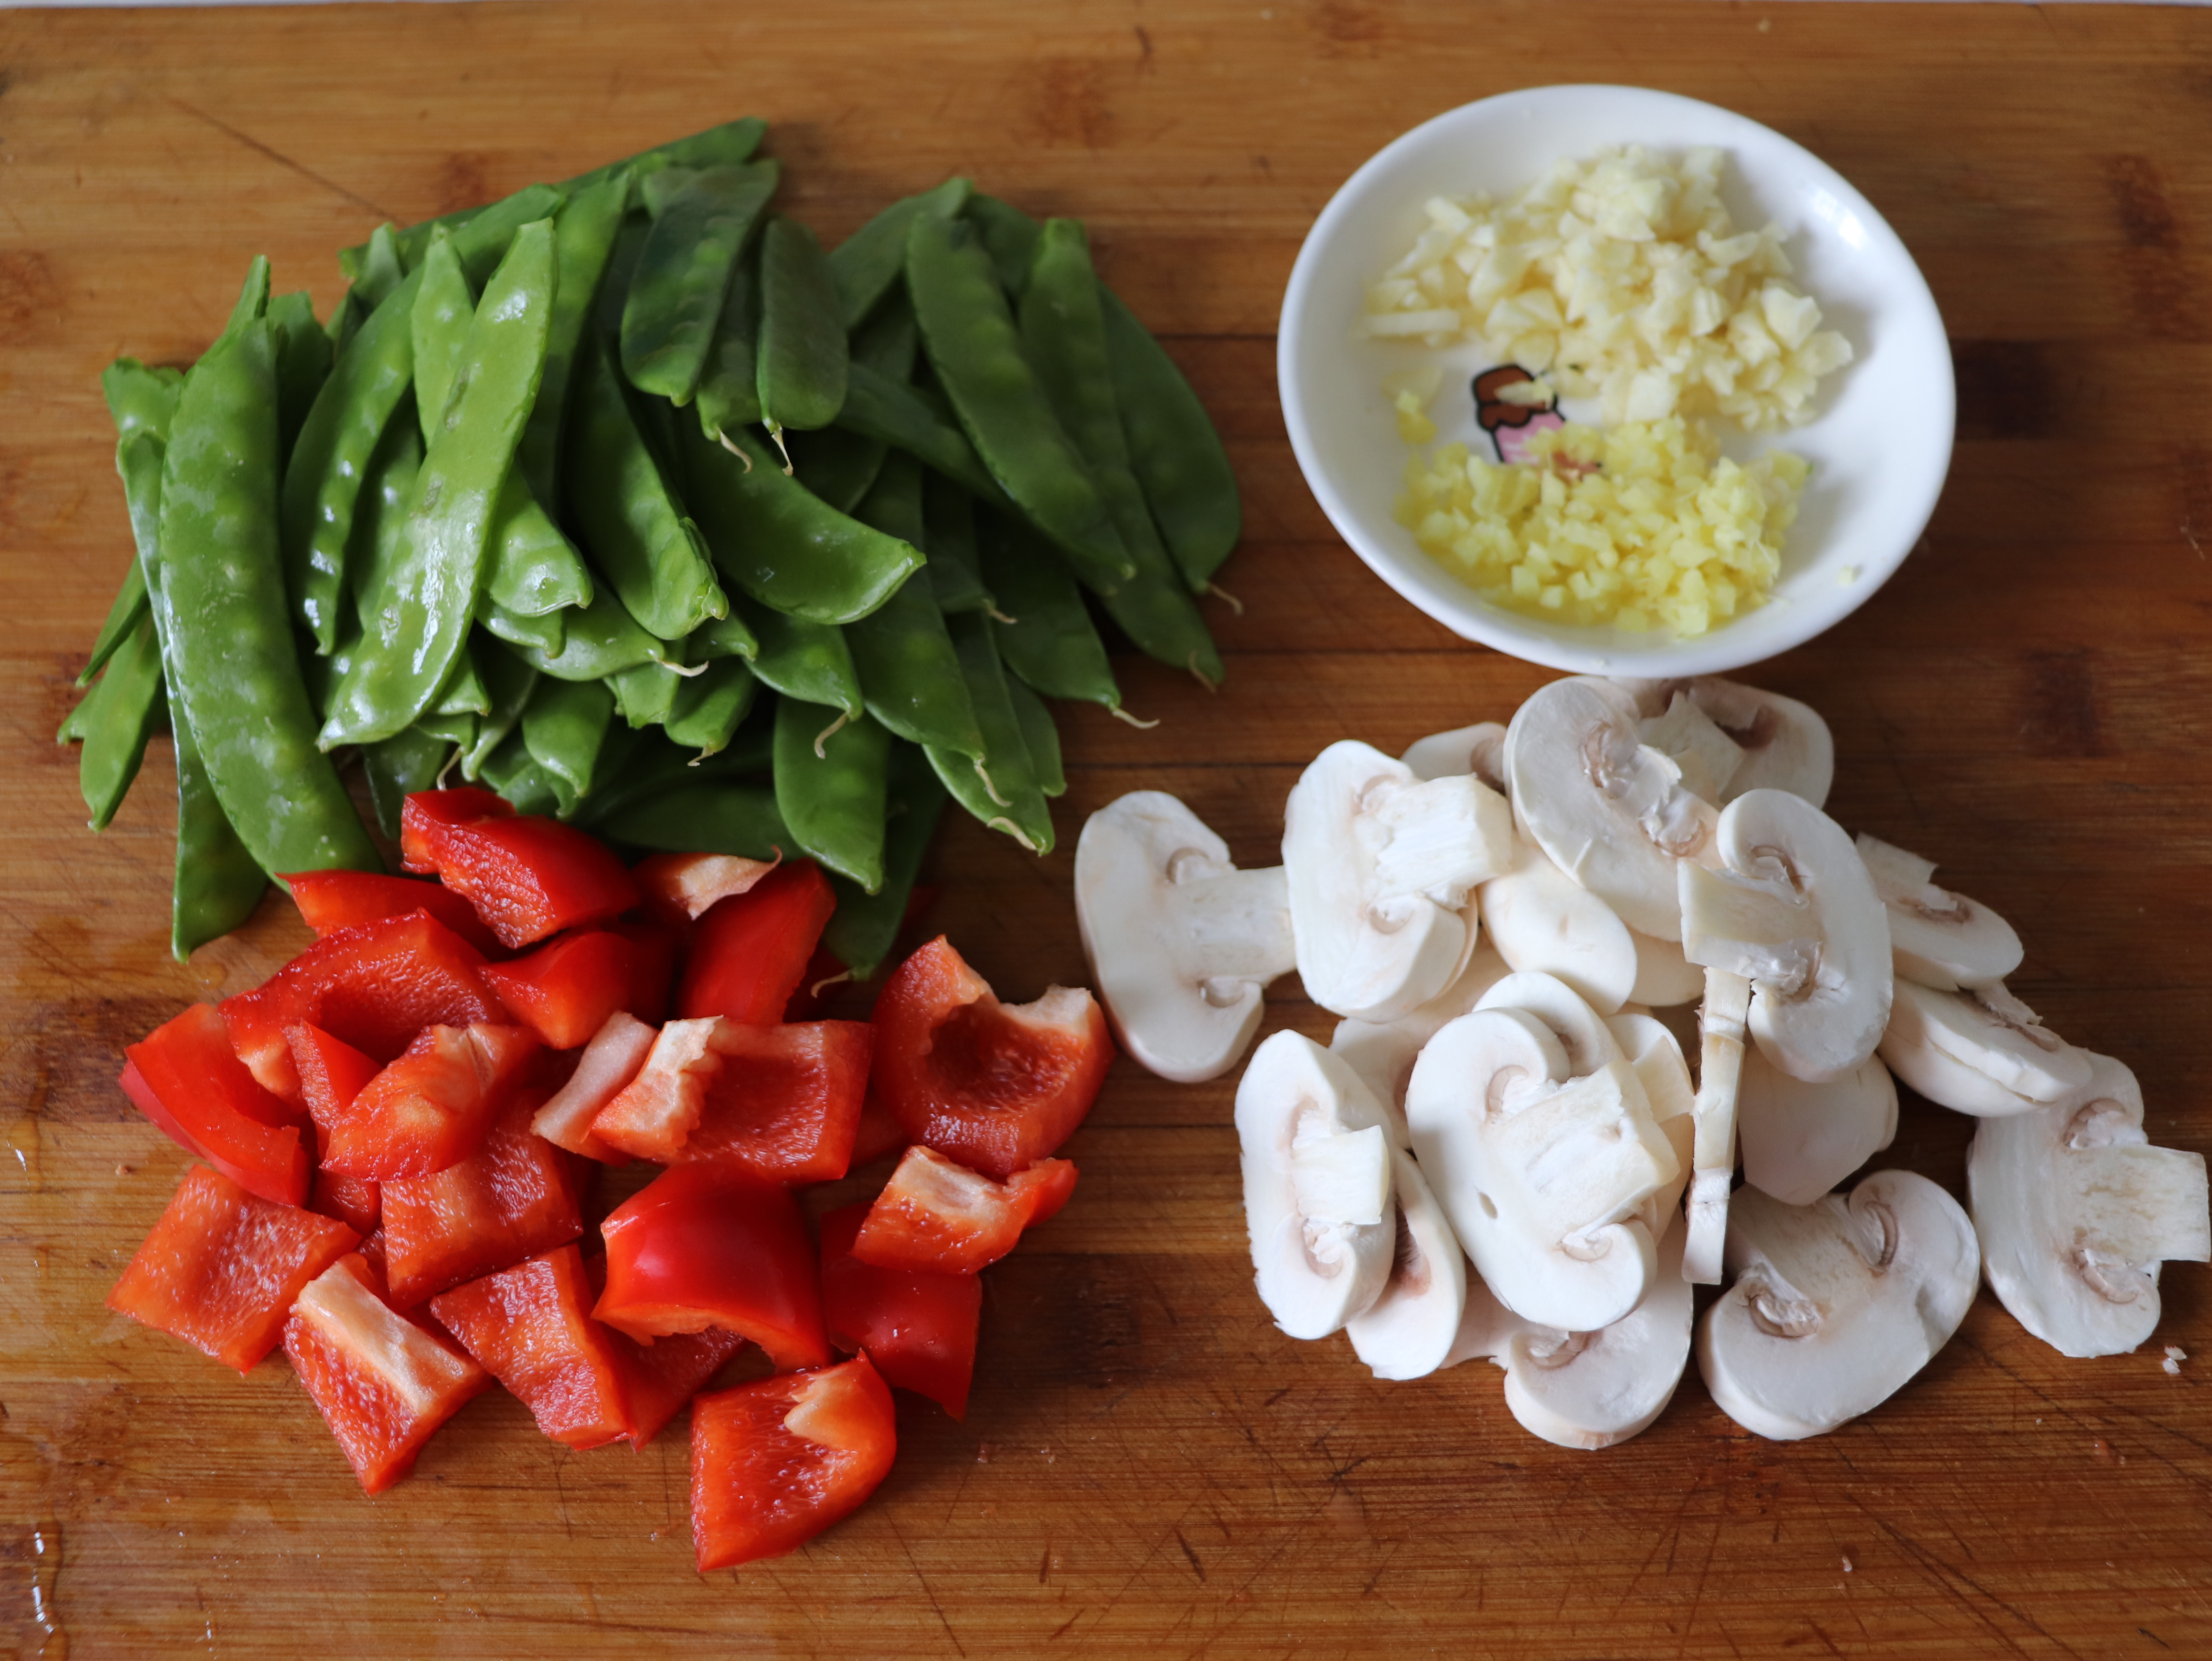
<point x="1148" y="1466"/>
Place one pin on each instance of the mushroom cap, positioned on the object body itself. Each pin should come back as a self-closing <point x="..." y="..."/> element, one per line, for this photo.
<point x="1708" y="756"/>
<point x="1582" y="1031"/>
<point x="1536" y="1169"/>
<point x="1479" y="749"/>
<point x="1937" y="938"/>
<point x="1313" y="1273"/>
<point x="1382" y="1052"/>
<point x="1541" y="919"/>
<point x="1179" y="942"/>
<point x="1408" y="1331"/>
<point x="1799" y="1139"/>
<point x="2075" y="1210"/>
<point x="1664" y="977"/>
<point x="1785" y="744"/>
<point x="1836" y="1305"/>
<point x="1982" y="1052"/>
<point x="1610" y="811"/>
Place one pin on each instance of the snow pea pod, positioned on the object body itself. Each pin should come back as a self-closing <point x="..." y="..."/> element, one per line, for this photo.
<point x="512" y="771"/>
<point x="217" y="883"/>
<point x="783" y="546"/>
<point x="909" y="673"/>
<point x="1001" y="786"/>
<point x="464" y="693"/>
<point x="124" y="613"/>
<point x="303" y="362"/>
<point x="1009" y="234"/>
<point x="724" y="637"/>
<point x="703" y="818"/>
<point x="417" y="620"/>
<point x="381" y="268"/>
<point x="1064" y="335"/>
<point x="583" y="240"/>
<point x="890" y="338"/>
<point x="676" y="293"/>
<point x="956" y="575"/>
<point x="837" y="465"/>
<point x="457" y="732"/>
<point x="481" y="234"/>
<point x="397" y="767"/>
<point x="803" y="660"/>
<point x="650" y="553"/>
<point x="1039" y="737"/>
<point x="1174" y="451"/>
<point x="599" y="640"/>
<point x="803" y="353"/>
<point x="645" y="695"/>
<point x="1046" y="635"/>
<point x="829" y="789"/>
<point x="867" y="264"/>
<point x="891" y="413"/>
<point x="114" y="720"/>
<point x="142" y="402"/>
<point x="563" y="729"/>
<point x="969" y="334"/>
<point x="654" y="764"/>
<point x="438" y="320"/>
<point x="547" y="633"/>
<point x="232" y="668"/>
<point x="729" y="385"/>
<point x="865" y="926"/>
<point x="510" y="682"/>
<point x="710" y="707"/>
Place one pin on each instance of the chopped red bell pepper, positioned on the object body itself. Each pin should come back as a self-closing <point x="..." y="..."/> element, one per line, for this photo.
<point x="749" y="950"/>
<point x="775" y="1463"/>
<point x="432" y="1107"/>
<point x="221" y="1268"/>
<point x="566" y="988"/>
<point x="934" y="1214"/>
<point x="185" y="1076"/>
<point x="655" y="947"/>
<point x="677" y="887"/>
<point x="331" y="900"/>
<point x="531" y="1327"/>
<point x="653" y="1115"/>
<point x="918" y="1327"/>
<point x="609" y="1062"/>
<point x="512" y="1198"/>
<point x="712" y="1245"/>
<point x="997" y="1086"/>
<point x="825" y="972"/>
<point x="879" y="1135"/>
<point x="332" y="1073"/>
<point x="660" y="1378"/>
<point x="383" y="1382"/>
<point x="374" y="986"/>
<point x="787" y="1100"/>
<point x="527" y="876"/>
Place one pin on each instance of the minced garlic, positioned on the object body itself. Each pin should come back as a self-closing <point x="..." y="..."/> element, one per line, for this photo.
<point x="1622" y="278"/>
<point x="1645" y="525"/>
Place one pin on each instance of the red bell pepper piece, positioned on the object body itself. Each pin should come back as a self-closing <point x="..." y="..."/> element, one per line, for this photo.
<point x="677" y="887"/>
<point x="749" y="950"/>
<point x="997" y="1086"/>
<point x="566" y="988"/>
<point x="918" y="1327"/>
<point x="609" y="1062"/>
<point x="787" y="1101"/>
<point x="654" y="949"/>
<point x="374" y="986"/>
<point x="221" y="1268"/>
<point x="878" y="1135"/>
<point x="185" y="1076"/>
<point x="512" y="1198"/>
<point x="382" y="1382"/>
<point x="654" y="1114"/>
<point x="332" y="1073"/>
<point x="528" y="876"/>
<point x="711" y="1245"/>
<point x="660" y="1378"/>
<point x="934" y="1214"/>
<point x="531" y="1327"/>
<point x="432" y="1107"/>
<point x="775" y="1463"/>
<point x="331" y="900"/>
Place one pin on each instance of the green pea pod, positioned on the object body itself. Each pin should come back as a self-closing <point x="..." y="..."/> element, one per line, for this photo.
<point x="803" y="660"/>
<point x="1174" y="450"/>
<point x="725" y="638"/>
<point x="651" y="556"/>
<point x="837" y="465"/>
<point x="779" y="543"/>
<point x="867" y="264"/>
<point x="1039" y="736"/>
<point x="381" y="268"/>
<point x="464" y="693"/>
<point x="704" y="819"/>
<point x="546" y="635"/>
<point x="346" y="319"/>
<point x="512" y="771"/>
<point x="563" y="729"/>
<point x="890" y="338"/>
<point x="253" y="304"/>
<point x="1064" y="334"/>
<point x="220" y="608"/>
<point x="303" y="362"/>
<point x="829" y="789"/>
<point x="217" y="883"/>
<point x="124" y="613"/>
<point x="398" y="766"/>
<point x="510" y="682"/>
<point x="969" y="334"/>
<point x="416" y="623"/>
<point x="655" y="765"/>
<point x="115" y="719"/>
<point x="891" y="413"/>
<point x="380" y="526"/>
<point x="956" y="575"/>
<point x="139" y="398"/>
<point x="674" y="295"/>
<point x="1008" y="234"/>
<point x="444" y="307"/>
<point x="645" y="695"/>
<point x="142" y="402"/>
<point x="865" y="926"/>
<point x="657" y="187"/>
<point x="710" y="707"/>
<point x="803" y="352"/>
<point x="583" y="240"/>
<point x="458" y="732"/>
<point x="600" y="639"/>
<point x="729" y="385"/>
<point x="909" y="673"/>
<point x="999" y="788"/>
<point x="1047" y="637"/>
<point x="483" y="238"/>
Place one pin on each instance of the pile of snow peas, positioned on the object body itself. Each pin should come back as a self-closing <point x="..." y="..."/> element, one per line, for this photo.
<point x="625" y="497"/>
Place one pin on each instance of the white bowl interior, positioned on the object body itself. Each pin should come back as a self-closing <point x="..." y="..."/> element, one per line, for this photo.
<point x="1879" y="442"/>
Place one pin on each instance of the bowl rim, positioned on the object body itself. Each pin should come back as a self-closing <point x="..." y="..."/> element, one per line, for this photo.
<point x="1529" y="638"/>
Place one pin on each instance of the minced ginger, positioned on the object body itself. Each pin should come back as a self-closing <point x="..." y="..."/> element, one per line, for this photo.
<point x="1644" y="526"/>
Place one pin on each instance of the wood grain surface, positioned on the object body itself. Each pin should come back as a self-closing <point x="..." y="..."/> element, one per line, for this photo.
<point x="1148" y="1468"/>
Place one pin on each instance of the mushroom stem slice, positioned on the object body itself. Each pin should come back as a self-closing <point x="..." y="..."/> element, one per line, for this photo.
<point x="1836" y="1305"/>
<point x="1982" y="1052"/>
<point x="1688" y="737"/>
<point x="1756" y="926"/>
<point x="1479" y="749"/>
<point x="1657" y="1062"/>
<point x="1938" y="938"/>
<point x="1720" y="1073"/>
<point x="1800" y="1139"/>
<point x="1341" y="1176"/>
<point x="1542" y="920"/>
<point x="1408" y="1331"/>
<point x="1437" y="839"/>
<point x="1784" y="744"/>
<point x="2076" y="1211"/>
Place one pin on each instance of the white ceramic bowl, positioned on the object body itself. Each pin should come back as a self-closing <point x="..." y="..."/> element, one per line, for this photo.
<point x="1879" y="442"/>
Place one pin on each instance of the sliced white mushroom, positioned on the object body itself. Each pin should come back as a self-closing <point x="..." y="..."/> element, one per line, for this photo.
<point x="1580" y="1031"/>
<point x="1180" y="941"/>
<point x="1721" y="1021"/>
<point x="1800" y="1139"/>
<point x="1982" y="1052"/>
<point x="1664" y="977"/>
<point x="1689" y="737"/>
<point x="1541" y="919"/>
<point x="1381" y="867"/>
<point x="1316" y="1166"/>
<point x="1937" y="938"/>
<point x="1610" y="811"/>
<point x="1408" y="1331"/>
<point x="1836" y="1305"/>
<point x="1539" y="1172"/>
<point x="2077" y="1210"/>
<point x="1792" y="910"/>
<point x="1479" y="749"/>
<point x="1782" y="745"/>
<point x="1655" y="1057"/>
<point x="1382" y="1053"/>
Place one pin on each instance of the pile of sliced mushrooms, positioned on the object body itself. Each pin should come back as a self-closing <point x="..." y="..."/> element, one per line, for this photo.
<point x="1503" y="1152"/>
